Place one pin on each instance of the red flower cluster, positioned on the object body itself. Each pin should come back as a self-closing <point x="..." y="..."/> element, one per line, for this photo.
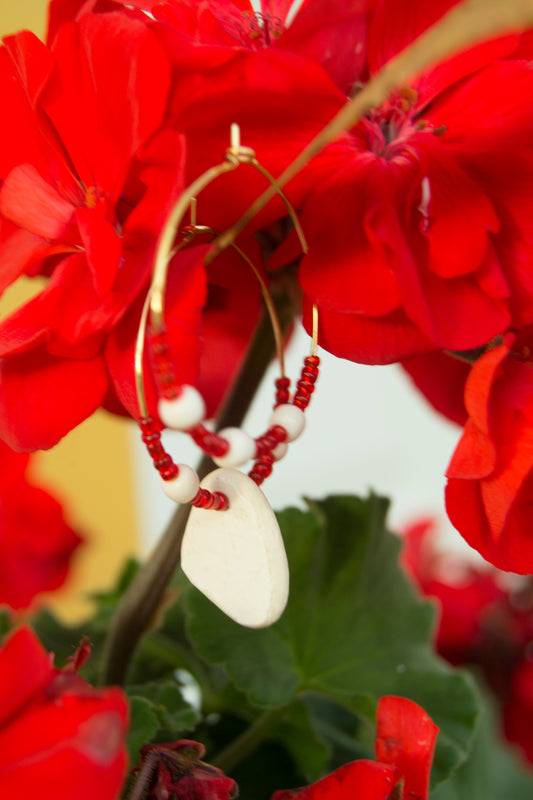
<point x="405" y="741"/>
<point x="417" y="219"/>
<point x="482" y="622"/>
<point x="53" y="726"/>
<point x="36" y="543"/>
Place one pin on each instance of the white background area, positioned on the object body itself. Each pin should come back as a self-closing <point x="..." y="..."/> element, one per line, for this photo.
<point x="367" y="429"/>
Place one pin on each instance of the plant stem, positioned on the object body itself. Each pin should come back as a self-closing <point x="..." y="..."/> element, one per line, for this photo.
<point x="248" y="741"/>
<point x="143" y="597"/>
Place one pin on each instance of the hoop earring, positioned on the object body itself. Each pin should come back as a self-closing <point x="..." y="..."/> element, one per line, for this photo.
<point x="181" y="407"/>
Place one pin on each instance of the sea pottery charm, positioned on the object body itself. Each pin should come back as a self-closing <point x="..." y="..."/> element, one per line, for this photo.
<point x="237" y="558"/>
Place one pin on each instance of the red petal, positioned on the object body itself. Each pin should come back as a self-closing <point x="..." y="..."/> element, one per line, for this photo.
<point x="465" y="509"/>
<point x="79" y="734"/>
<point x="41" y="400"/>
<point x="359" y="779"/>
<point x="161" y="175"/>
<point x="106" y="96"/>
<point x="36" y="544"/>
<point x="456" y="217"/>
<point x="441" y="378"/>
<point x="25" y="668"/>
<point x="406" y="738"/>
<point x="61" y="11"/>
<point x="500" y="491"/>
<point x="333" y="34"/>
<point x="68" y="313"/>
<point x="479" y="385"/>
<point x="475" y="455"/>
<point x="55" y="725"/>
<point x="22" y="140"/>
<point x="368" y="341"/>
<point x="349" y="268"/>
<point x="494" y="164"/>
<point x="102" y="246"/>
<point x="32" y="203"/>
<point x="19" y="250"/>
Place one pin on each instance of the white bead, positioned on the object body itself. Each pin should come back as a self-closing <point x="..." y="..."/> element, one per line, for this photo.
<point x="289" y="417"/>
<point x="184" y="411"/>
<point x="241" y="448"/>
<point x="184" y="486"/>
<point x="280" y="451"/>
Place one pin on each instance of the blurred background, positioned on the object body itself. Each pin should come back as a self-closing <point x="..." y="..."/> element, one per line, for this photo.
<point x="367" y="429"/>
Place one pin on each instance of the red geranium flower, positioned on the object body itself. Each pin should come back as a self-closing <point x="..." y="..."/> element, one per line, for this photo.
<point x="489" y="495"/>
<point x="405" y="741"/>
<point x="36" y="544"/>
<point x="200" y="37"/>
<point x="419" y="220"/>
<point x="66" y="156"/>
<point x="89" y="177"/>
<point x="58" y="735"/>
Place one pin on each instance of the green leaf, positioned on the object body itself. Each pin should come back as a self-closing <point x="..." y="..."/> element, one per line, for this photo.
<point x="144" y="724"/>
<point x="167" y="701"/>
<point x="310" y="754"/>
<point x="353" y="630"/>
<point x="156" y="706"/>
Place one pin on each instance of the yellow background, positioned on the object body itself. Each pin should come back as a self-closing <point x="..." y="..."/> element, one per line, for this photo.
<point x="90" y="470"/>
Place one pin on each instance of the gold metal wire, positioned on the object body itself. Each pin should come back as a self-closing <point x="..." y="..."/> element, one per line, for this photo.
<point x="314" y="345"/>
<point x="154" y="307"/>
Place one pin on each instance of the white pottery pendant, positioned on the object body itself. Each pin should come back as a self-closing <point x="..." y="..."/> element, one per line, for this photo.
<point x="237" y="557"/>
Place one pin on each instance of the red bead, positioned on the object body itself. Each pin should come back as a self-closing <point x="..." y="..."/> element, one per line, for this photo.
<point x="200" y="499"/>
<point x="149" y="425"/>
<point x="279" y="432"/>
<point x="151" y="437"/>
<point x="270" y="440"/>
<point x="282" y="391"/>
<point x="210" y="500"/>
<point x="221" y="502"/>
<point x="170" y="473"/>
<point x="211" y="443"/>
<point x="163" y="463"/>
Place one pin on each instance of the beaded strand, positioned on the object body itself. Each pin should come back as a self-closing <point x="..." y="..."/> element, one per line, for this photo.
<point x="182" y="408"/>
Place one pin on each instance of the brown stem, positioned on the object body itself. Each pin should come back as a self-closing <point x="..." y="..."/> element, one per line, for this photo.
<point x="144" y="595"/>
